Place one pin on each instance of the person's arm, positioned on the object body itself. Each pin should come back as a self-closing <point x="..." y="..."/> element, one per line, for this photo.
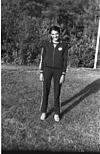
<point x="62" y="78"/>
<point x="42" y="60"/>
<point x="65" y="58"/>
<point x="41" y="64"/>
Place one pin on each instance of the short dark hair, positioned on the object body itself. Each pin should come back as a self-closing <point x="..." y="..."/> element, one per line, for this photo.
<point x="56" y="28"/>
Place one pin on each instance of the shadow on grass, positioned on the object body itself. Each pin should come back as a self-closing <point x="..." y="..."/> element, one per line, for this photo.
<point x="88" y="90"/>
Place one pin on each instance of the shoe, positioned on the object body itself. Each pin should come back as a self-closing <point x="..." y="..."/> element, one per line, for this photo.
<point x="56" y="117"/>
<point x="43" y="116"/>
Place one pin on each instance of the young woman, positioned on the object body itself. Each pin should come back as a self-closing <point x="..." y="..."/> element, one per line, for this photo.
<point x="53" y="65"/>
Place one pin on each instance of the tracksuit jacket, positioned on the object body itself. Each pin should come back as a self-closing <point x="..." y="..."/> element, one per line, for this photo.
<point x="54" y="57"/>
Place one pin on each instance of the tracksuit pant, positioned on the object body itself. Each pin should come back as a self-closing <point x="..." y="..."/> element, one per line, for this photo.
<point x="48" y="74"/>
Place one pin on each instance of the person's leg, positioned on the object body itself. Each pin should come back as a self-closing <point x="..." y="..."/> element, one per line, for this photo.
<point x="46" y="88"/>
<point x="57" y="89"/>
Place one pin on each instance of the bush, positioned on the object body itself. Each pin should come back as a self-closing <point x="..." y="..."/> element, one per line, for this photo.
<point x="25" y="25"/>
<point x="81" y="52"/>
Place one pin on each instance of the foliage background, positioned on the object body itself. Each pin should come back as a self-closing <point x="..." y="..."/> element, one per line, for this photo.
<point x="25" y="25"/>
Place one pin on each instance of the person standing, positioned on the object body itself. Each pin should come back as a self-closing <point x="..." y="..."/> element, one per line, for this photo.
<point x="53" y="64"/>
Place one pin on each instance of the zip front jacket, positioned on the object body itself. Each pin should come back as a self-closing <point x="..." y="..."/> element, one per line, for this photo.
<point x="54" y="57"/>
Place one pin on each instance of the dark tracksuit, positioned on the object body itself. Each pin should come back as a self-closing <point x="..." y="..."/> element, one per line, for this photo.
<point x="53" y="64"/>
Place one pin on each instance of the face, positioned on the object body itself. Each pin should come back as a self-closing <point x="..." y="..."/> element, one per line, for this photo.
<point x="55" y="35"/>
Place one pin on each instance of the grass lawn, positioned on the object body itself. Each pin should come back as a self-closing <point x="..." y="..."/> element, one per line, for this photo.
<point x="79" y="127"/>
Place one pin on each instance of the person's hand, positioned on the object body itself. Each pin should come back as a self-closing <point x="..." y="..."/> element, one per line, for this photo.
<point x="41" y="77"/>
<point x="62" y="79"/>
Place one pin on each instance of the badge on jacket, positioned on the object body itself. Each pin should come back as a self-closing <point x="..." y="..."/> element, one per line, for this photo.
<point x="60" y="49"/>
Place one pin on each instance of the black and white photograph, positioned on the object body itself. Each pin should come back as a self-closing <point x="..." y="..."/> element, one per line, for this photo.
<point x="50" y="76"/>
